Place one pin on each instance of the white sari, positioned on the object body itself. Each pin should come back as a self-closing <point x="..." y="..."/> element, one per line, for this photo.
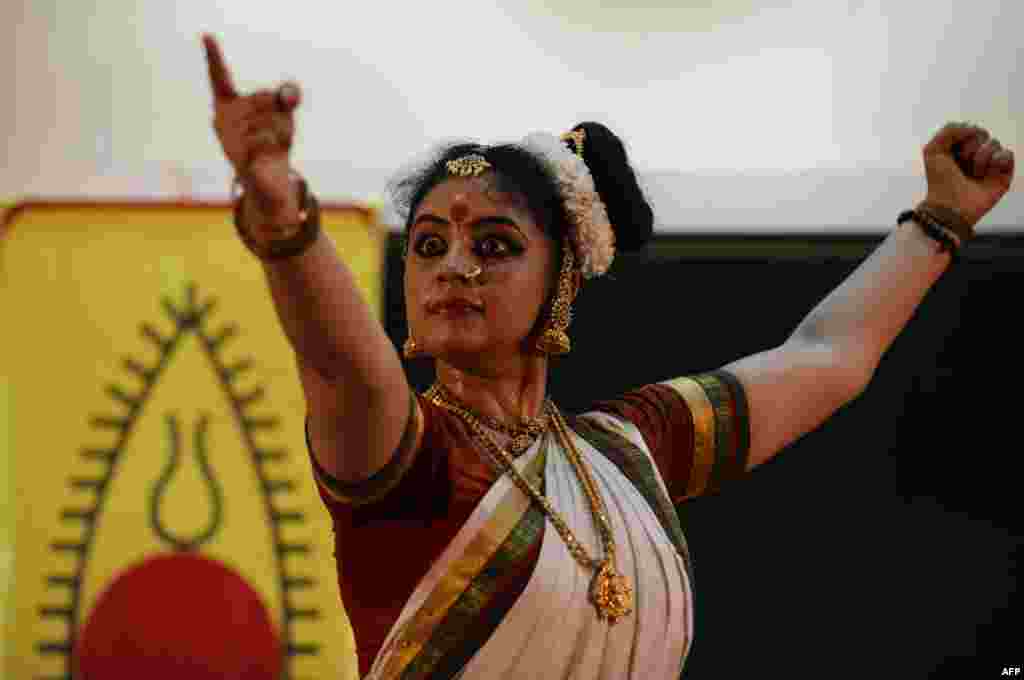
<point x="552" y="631"/>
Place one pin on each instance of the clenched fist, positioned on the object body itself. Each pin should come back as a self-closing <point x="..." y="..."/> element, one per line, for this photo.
<point x="968" y="171"/>
<point x="256" y="133"/>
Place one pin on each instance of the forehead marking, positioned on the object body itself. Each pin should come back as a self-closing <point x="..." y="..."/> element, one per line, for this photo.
<point x="460" y="210"/>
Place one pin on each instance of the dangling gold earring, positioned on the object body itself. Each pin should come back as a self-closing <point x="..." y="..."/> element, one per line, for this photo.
<point x="554" y="339"/>
<point x="410" y="350"/>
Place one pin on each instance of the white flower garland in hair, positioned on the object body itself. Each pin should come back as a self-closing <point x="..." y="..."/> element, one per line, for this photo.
<point x="591" y="233"/>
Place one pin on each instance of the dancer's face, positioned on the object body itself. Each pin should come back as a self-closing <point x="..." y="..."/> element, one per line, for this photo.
<point x="461" y="224"/>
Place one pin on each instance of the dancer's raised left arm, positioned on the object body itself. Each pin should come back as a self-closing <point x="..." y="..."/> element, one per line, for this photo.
<point x="832" y="355"/>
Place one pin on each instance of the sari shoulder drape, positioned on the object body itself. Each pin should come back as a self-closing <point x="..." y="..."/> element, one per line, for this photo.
<point x="637" y="468"/>
<point x="458" y="609"/>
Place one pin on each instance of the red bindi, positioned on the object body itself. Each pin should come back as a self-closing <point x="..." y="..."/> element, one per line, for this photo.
<point x="460" y="211"/>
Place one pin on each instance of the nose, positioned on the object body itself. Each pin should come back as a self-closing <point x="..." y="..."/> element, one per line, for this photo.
<point x="458" y="261"/>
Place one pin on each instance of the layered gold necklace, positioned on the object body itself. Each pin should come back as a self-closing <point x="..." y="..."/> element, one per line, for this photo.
<point x="523" y="433"/>
<point x="610" y="592"/>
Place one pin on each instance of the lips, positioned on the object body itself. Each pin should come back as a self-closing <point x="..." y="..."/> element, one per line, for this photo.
<point x="455" y="304"/>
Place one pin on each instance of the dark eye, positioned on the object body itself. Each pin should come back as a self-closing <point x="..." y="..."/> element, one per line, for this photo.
<point x="421" y="245"/>
<point x="505" y="249"/>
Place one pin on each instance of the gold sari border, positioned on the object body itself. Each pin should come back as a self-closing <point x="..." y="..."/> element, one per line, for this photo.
<point x="423" y="640"/>
<point x="704" y="431"/>
<point x="384" y="480"/>
<point x="721" y="429"/>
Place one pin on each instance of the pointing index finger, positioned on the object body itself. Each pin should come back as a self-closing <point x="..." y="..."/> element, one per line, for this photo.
<point x="220" y="76"/>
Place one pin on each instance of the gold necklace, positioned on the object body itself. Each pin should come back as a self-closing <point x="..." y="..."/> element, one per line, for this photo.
<point x="610" y="592"/>
<point x="523" y="434"/>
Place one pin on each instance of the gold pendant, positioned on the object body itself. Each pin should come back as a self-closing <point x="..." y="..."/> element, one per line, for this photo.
<point x="611" y="594"/>
<point x="520" y="443"/>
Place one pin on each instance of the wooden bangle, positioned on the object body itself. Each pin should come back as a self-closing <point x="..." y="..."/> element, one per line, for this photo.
<point x="284" y="248"/>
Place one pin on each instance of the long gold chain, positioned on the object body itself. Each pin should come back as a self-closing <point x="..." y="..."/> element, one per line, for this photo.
<point x="609" y="591"/>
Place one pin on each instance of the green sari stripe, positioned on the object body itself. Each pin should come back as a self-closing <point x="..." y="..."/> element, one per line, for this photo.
<point x="471" y="620"/>
<point x="741" y="421"/>
<point x="725" y="444"/>
<point x="475" y="628"/>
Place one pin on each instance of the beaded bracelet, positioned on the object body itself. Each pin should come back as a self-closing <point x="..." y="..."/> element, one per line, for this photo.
<point x="283" y="248"/>
<point x="932" y="228"/>
<point x="948" y="218"/>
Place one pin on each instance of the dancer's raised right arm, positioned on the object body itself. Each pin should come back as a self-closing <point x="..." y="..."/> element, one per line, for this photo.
<point x="356" y="391"/>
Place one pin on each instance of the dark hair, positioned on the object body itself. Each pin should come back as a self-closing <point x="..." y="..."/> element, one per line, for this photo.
<point x="518" y="171"/>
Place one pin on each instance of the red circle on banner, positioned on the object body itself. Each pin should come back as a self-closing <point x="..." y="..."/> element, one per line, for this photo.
<point x="178" y="616"/>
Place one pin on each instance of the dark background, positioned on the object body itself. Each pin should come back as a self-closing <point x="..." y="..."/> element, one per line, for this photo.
<point x="883" y="544"/>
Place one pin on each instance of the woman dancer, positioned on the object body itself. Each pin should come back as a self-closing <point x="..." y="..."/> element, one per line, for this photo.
<point x="480" y="531"/>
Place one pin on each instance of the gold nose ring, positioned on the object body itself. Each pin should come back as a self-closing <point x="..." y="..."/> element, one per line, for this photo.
<point x="477" y="270"/>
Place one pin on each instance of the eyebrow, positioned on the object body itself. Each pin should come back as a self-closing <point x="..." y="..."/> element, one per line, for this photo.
<point x="475" y="224"/>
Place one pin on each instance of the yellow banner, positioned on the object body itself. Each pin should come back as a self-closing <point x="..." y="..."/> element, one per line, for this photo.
<point x="158" y="493"/>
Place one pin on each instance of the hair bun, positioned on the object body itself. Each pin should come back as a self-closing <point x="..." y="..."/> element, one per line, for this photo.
<point x="629" y="211"/>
